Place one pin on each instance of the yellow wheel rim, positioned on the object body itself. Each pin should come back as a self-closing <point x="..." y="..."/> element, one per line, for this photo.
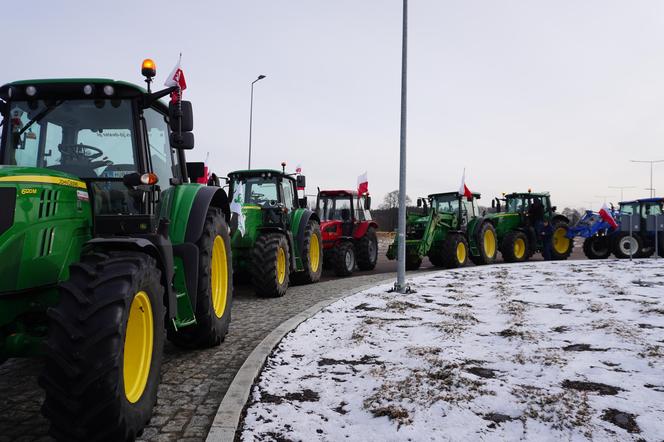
<point x="461" y="253"/>
<point x="314" y="253"/>
<point x="489" y="244"/>
<point x="138" y="347"/>
<point x="519" y="248"/>
<point x="219" y="276"/>
<point x="281" y="265"/>
<point x="560" y="241"/>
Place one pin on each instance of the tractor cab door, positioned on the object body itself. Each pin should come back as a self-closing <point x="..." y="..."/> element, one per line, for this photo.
<point x="288" y="195"/>
<point x="466" y="211"/>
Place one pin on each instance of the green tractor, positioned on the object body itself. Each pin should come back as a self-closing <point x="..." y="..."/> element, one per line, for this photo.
<point x="517" y="237"/>
<point x="107" y="246"/>
<point x="276" y="240"/>
<point x="449" y="230"/>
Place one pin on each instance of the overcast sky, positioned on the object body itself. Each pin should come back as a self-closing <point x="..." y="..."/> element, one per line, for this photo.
<point x="551" y="95"/>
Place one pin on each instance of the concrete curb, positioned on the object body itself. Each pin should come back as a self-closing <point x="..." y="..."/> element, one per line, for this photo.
<point x="228" y="415"/>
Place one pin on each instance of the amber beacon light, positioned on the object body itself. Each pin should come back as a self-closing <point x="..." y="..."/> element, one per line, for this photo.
<point x="149" y="68"/>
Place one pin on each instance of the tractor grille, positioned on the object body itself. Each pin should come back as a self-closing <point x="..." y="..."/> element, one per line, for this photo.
<point x="48" y="203"/>
<point x="7" y="206"/>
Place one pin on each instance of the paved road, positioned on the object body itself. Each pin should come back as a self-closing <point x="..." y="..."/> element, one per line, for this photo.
<point x="193" y="383"/>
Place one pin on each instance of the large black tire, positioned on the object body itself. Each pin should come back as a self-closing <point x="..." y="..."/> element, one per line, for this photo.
<point x="597" y="247"/>
<point x="487" y="244"/>
<point x="268" y="276"/>
<point x="622" y="244"/>
<point x="89" y="395"/>
<point x="435" y="254"/>
<point x="215" y="287"/>
<point x="646" y="251"/>
<point x="455" y="251"/>
<point x="515" y="247"/>
<point x="413" y="262"/>
<point x="311" y="255"/>
<point x="367" y="250"/>
<point x="562" y="246"/>
<point x="344" y="259"/>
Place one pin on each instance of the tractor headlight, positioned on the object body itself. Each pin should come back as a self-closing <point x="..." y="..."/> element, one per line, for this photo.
<point x="31" y="91"/>
<point x="87" y="89"/>
<point x="109" y="90"/>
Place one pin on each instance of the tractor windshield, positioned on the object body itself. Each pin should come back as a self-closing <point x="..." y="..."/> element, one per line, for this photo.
<point x="334" y="208"/>
<point x="261" y="191"/>
<point x="652" y="209"/>
<point x="87" y="138"/>
<point x="628" y="209"/>
<point x="448" y="203"/>
<point x="515" y="204"/>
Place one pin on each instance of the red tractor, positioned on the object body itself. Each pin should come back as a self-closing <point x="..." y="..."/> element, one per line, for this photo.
<point x="349" y="234"/>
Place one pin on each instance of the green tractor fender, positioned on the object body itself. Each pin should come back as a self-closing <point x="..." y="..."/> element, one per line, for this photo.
<point x="301" y="218"/>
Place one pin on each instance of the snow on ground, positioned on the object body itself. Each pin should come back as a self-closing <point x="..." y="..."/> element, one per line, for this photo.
<point x="538" y="351"/>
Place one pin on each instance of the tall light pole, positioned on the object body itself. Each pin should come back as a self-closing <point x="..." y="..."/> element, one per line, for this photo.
<point x="251" y="115"/>
<point x="400" y="286"/>
<point x="652" y="193"/>
<point x="621" y="188"/>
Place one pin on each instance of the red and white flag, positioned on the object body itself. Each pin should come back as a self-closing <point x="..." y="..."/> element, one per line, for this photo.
<point x="463" y="189"/>
<point x="362" y="184"/>
<point x="176" y="78"/>
<point x="606" y="215"/>
<point x="298" y="169"/>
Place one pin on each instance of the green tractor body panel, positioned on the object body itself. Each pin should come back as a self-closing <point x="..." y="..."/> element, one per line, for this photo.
<point x="295" y="226"/>
<point x="242" y="245"/>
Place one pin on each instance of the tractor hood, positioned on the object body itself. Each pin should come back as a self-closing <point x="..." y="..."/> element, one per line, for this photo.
<point x="45" y="218"/>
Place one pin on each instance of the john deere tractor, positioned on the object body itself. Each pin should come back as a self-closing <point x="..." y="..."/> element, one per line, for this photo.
<point x="276" y="240"/>
<point x="517" y="237"/>
<point x="106" y="247"/>
<point x="449" y="230"/>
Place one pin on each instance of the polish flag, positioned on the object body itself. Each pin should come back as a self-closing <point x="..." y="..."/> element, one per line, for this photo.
<point x="176" y="78"/>
<point x="463" y="189"/>
<point x="605" y="213"/>
<point x="362" y="184"/>
<point x="298" y="169"/>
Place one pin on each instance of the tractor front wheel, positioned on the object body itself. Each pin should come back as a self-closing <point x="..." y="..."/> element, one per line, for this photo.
<point x="624" y="245"/>
<point x="367" y="250"/>
<point x="270" y="265"/>
<point x="597" y="247"/>
<point x="344" y="262"/>
<point x="311" y="254"/>
<point x="413" y="262"/>
<point x="487" y="244"/>
<point x="215" y="287"/>
<point x="561" y="247"/>
<point x="105" y="348"/>
<point x="515" y="247"/>
<point x="455" y="251"/>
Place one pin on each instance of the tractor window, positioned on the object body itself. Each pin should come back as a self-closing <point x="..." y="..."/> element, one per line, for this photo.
<point x="448" y="204"/>
<point x="652" y="209"/>
<point x="359" y="209"/>
<point x="335" y="208"/>
<point x="287" y="189"/>
<point x="86" y="138"/>
<point x="626" y="209"/>
<point x="516" y="205"/>
<point x="260" y="191"/>
<point x="161" y="153"/>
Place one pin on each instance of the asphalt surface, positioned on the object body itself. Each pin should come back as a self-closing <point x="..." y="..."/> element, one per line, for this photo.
<point x="193" y="382"/>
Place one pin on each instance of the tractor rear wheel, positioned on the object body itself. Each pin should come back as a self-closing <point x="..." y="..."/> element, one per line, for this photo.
<point x="561" y="247"/>
<point x="344" y="262"/>
<point x="487" y="244"/>
<point x="515" y="247"/>
<point x="597" y="247"/>
<point x="624" y="244"/>
<point x="215" y="287"/>
<point x="646" y="251"/>
<point x="105" y="348"/>
<point x="455" y="251"/>
<point x="311" y="254"/>
<point x="413" y="262"/>
<point x="367" y="250"/>
<point x="270" y="265"/>
<point x="435" y="254"/>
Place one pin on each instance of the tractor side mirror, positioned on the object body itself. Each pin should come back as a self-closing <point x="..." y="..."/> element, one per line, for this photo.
<point x="554" y="208"/>
<point x="367" y="203"/>
<point x="493" y="204"/>
<point x="301" y="181"/>
<point x="184" y="140"/>
<point x="497" y="205"/>
<point x="181" y="116"/>
<point x="419" y="202"/>
<point x="302" y="202"/>
<point x="195" y="170"/>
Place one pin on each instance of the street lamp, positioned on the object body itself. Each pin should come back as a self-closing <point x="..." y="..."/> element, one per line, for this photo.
<point x="621" y="188"/>
<point x="400" y="285"/>
<point x="652" y="193"/>
<point x="251" y="114"/>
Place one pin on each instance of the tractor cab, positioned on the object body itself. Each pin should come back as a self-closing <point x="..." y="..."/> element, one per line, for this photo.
<point x="455" y="204"/>
<point x="522" y="202"/>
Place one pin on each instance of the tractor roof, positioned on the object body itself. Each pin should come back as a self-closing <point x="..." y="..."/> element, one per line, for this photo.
<point x="259" y="172"/>
<point x="338" y="192"/>
<point x="526" y="194"/>
<point x="643" y="200"/>
<point x="58" y="87"/>
<point x="476" y="195"/>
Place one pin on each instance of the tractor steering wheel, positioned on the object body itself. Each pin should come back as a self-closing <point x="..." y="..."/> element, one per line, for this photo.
<point x="81" y="151"/>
